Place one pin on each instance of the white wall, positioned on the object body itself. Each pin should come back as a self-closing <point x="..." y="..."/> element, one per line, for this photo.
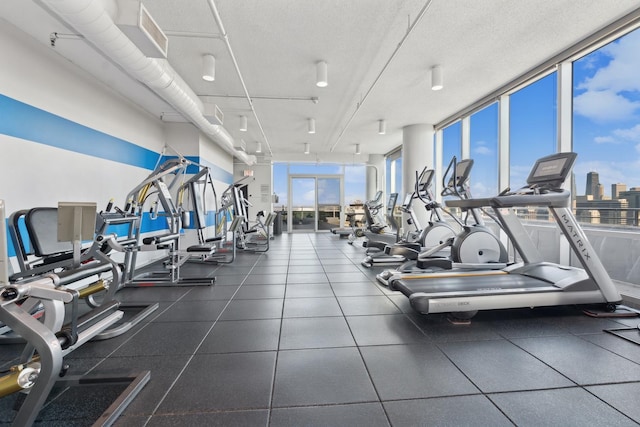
<point x="40" y="164"/>
<point x="260" y="187"/>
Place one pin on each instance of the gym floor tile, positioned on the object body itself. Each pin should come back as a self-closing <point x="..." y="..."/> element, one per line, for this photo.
<point x="236" y="336"/>
<point x="616" y="344"/>
<point x="580" y="360"/>
<point x="260" y="291"/>
<point x="270" y="269"/>
<point x="340" y="268"/>
<point x="346" y="277"/>
<point x="164" y="371"/>
<point x="623" y="397"/>
<point x="192" y="311"/>
<point x="253" y="309"/>
<point x="335" y="261"/>
<point x="165" y="338"/>
<point x="311" y="307"/>
<point x="496" y="366"/>
<point x="256" y="278"/>
<point x="367" y="305"/>
<point x="208" y="293"/>
<point x="558" y="407"/>
<point x="320" y="377"/>
<point x="155" y="294"/>
<point x="230" y="280"/>
<point x="222" y="381"/>
<point x="439" y="329"/>
<point x="355" y="289"/>
<point x="309" y="290"/>
<point x="301" y="278"/>
<point x="446" y="411"/>
<point x="217" y="419"/>
<point x="357" y="414"/>
<point x="384" y="330"/>
<point x="305" y="269"/>
<point x="401" y="302"/>
<point x="526" y="327"/>
<point x="315" y="332"/>
<point x="414" y="371"/>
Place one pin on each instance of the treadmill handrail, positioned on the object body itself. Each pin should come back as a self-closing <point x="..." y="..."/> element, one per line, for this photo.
<point x="556" y="199"/>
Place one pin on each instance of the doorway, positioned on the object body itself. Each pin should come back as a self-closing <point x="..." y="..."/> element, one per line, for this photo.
<point x="315" y="203"/>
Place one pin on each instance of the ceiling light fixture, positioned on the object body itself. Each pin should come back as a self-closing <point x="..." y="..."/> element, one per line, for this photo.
<point x="307" y="148"/>
<point x="208" y="68"/>
<point x="243" y="123"/>
<point x="312" y="126"/>
<point x="357" y="148"/>
<point x="258" y="147"/>
<point x="436" y="78"/>
<point x="382" y="127"/>
<point x="321" y="74"/>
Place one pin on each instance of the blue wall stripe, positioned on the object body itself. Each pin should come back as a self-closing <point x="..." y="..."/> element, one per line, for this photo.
<point x="24" y="121"/>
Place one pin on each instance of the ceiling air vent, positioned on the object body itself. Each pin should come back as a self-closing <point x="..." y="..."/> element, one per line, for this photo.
<point x="213" y="114"/>
<point x="134" y="20"/>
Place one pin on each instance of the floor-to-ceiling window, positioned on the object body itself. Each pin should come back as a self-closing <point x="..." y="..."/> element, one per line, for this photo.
<point x="484" y="152"/>
<point x="451" y="143"/>
<point x="606" y="132"/>
<point x="393" y="172"/>
<point x="533" y="126"/>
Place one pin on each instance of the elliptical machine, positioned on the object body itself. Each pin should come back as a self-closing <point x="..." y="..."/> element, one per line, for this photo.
<point x="475" y="247"/>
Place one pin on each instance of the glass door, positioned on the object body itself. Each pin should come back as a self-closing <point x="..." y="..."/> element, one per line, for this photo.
<point x="314" y="202"/>
<point x="328" y="202"/>
<point x="302" y="204"/>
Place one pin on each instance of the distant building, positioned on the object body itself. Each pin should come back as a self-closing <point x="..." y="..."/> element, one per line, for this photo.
<point x="616" y="189"/>
<point x="593" y="184"/>
<point x="593" y="211"/>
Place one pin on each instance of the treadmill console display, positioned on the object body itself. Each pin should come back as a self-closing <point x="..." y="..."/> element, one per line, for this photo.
<point x="552" y="169"/>
<point x="425" y="180"/>
<point x="393" y="198"/>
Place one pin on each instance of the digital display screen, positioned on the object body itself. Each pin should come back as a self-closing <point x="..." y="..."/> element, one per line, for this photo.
<point x="550" y="168"/>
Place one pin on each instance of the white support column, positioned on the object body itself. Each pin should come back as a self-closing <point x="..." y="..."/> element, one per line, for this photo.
<point x="465" y="149"/>
<point x="437" y="164"/>
<point x="503" y="152"/>
<point x="565" y="138"/>
<point x="375" y="175"/>
<point x="417" y="152"/>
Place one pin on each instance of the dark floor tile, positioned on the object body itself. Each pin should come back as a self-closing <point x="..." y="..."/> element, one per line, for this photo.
<point x="209" y="293"/>
<point x="309" y="290"/>
<point x="164" y="370"/>
<point x="623" y="397"/>
<point x="305" y="269"/>
<point x="581" y="361"/>
<point x="439" y="329"/>
<point x="367" y="305"/>
<point x="257" y="278"/>
<point x="496" y="366"/>
<point x="315" y="332"/>
<point x="445" y="411"/>
<point x="192" y="311"/>
<point x="558" y="407"/>
<point x="355" y="289"/>
<point x="321" y="376"/>
<point x="359" y="414"/>
<point x="253" y="309"/>
<point x="414" y="371"/>
<point x="260" y="291"/>
<point x="339" y="268"/>
<point x="147" y="294"/>
<point x="347" y="277"/>
<point x="311" y="307"/>
<point x="617" y="345"/>
<point x="402" y="302"/>
<point x="527" y="327"/>
<point x="230" y="280"/>
<point x="336" y="261"/>
<point x="222" y="381"/>
<point x="257" y="418"/>
<point x="237" y="336"/>
<point x="302" y="278"/>
<point x="165" y="338"/>
<point x="263" y="268"/>
<point x="384" y="330"/>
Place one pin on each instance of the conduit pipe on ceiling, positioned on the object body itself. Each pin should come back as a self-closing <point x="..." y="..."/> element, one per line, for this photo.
<point x="225" y="37"/>
<point x="384" y="68"/>
<point x="93" y="19"/>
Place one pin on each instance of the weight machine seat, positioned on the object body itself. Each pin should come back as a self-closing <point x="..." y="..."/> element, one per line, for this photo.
<point x="42" y="226"/>
<point x="201" y="248"/>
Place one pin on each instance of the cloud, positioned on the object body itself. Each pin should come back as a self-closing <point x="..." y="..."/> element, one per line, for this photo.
<point x="482" y="150"/>
<point x="631" y="134"/>
<point x="604" y="106"/>
<point x="605" y="140"/>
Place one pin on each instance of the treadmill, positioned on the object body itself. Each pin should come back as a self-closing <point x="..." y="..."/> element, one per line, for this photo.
<point x="532" y="282"/>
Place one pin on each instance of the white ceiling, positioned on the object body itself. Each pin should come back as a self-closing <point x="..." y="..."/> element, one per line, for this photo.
<point x="378" y="68"/>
